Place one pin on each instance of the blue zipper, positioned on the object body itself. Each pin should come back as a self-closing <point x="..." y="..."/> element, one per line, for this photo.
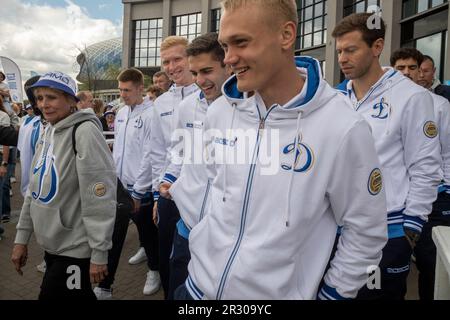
<point x="202" y="212"/>
<point x="245" y="205"/>
<point x="358" y="105"/>
<point x="124" y="138"/>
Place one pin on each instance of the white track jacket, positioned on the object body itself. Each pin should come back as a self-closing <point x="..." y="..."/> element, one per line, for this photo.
<point x="163" y="124"/>
<point x="269" y="234"/>
<point x="190" y="190"/>
<point x="29" y="134"/>
<point x="442" y="112"/>
<point x="131" y="150"/>
<point x="403" y="124"/>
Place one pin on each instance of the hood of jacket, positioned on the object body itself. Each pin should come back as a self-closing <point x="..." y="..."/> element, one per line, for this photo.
<point x="379" y="89"/>
<point x="315" y="95"/>
<point x="183" y="91"/>
<point x="79" y="116"/>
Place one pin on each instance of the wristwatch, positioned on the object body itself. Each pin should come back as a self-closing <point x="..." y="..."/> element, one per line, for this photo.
<point x="4" y="164"/>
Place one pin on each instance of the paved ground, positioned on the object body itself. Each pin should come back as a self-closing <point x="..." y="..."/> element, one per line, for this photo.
<point x="129" y="279"/>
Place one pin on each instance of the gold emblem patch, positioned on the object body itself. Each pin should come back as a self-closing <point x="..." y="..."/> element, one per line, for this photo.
<point x="99" y="189"/>
<point x="430" y="129"/>
<point x="375" y="183"/>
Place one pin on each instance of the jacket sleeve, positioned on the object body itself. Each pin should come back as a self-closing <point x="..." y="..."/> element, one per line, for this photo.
<point x="359" y="205"/>
<point x="98" y="189"/>
<point x="144" y="177"/>
<point x="157" y="151"/>
<point x="176" y="151"/>
<point x="443" y="116"/>
<point x="25" y="225"/>
<point x="422" y="159"/>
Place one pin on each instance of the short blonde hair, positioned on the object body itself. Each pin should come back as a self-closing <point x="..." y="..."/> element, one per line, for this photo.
<point x="173" y="41"/>
<point x="287" y="9"/>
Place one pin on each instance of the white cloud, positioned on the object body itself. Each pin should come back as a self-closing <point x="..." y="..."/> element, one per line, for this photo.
<point x="43" y="38"/>
<point x="103" y="6"/>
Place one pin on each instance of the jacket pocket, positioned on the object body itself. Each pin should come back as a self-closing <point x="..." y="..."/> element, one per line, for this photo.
<point x="50" y="233"/>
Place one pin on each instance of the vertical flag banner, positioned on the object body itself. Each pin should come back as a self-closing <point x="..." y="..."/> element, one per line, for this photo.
<point x="13" y="78"/>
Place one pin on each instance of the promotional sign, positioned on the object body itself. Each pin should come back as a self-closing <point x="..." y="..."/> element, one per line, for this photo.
<point x="13" y="78"/>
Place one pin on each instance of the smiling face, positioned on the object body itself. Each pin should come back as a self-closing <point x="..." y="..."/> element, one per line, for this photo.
<point x="54" y="104"/>
<point x="209" y="74"/>
<point x="252" y="48"/>
<point x="175" y="63"/>
<point x="355" y="56"/>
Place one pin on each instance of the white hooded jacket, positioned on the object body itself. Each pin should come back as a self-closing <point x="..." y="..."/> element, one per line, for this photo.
<point x="402" y="119"/>
<point x="131" y="151"/>
<point x="163" y="123"/>
<point x="190" y="190"/>
<point x="442" y="113"/>
<point x="269" y="235"/>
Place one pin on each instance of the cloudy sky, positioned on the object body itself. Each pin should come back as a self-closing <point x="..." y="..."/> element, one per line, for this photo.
<point x="44" y="35"/>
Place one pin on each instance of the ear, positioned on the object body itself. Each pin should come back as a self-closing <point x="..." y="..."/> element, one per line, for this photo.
<point x="288" y="35"/>
<point x="377" y="47"/>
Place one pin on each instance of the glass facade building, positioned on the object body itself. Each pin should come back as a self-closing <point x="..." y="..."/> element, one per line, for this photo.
<point x="96" y="59"/>
<point x="418" y="23"/>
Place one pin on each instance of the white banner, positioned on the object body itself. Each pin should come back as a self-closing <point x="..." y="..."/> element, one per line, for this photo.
<point x="13" y="78"/>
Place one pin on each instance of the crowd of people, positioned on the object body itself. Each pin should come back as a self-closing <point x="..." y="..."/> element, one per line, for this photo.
<point x="246" y="174"/>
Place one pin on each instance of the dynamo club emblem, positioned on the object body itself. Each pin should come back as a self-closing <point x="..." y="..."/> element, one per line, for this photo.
<point x="45" y="169"/>
<point x="381" y="110"/>
<point x="304" y="157"/>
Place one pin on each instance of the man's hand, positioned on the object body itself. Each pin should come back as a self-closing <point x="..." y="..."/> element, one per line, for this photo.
<point x="19" y="257"/>
<point x="155" y="213"/>
<point x="3" y="171"/>
<point x="137" y="205"/>
<point x="412" y="237"/>
<point x="98" y="272"/>
<point x="164" y="190"/>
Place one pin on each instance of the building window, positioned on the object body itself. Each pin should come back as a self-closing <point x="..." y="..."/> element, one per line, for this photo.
<point x="358" y="6"/>
<point x="215" y="20"/>
<point x="146" y="42"/>
<point x="189" y="25"/>
<point x="428" y="33"/>
<point x="312" y="27"/>
<point x="412" y="7"/>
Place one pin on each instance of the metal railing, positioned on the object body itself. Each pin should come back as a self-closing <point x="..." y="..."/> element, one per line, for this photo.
<point x="109" y="133"/>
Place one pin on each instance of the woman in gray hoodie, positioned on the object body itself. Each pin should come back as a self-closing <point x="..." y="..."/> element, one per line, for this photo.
<point x="71" y="200"/>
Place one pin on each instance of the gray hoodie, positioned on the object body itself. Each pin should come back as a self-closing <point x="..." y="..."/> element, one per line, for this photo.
<point x="71" y="201"/>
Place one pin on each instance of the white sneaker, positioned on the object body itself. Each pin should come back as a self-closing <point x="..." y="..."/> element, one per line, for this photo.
<point x="139" y="257"/>
<point x="12" y="180"/>
<point x="152" y="283"/>
<point x="103" y="294"/>
<point x="41" y="267"/>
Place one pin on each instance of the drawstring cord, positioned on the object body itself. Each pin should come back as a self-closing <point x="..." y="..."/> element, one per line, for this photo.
<point x="294" y="162"/>
<point x="388" y="125"/>
<point x="224" y="199"/>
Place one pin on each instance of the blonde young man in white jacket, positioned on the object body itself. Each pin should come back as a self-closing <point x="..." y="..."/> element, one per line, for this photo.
<point x="401" y="116"/>
<point x="165" y="212"/>
<point x="190" y="190"/>
<point x="271" y="226"/>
